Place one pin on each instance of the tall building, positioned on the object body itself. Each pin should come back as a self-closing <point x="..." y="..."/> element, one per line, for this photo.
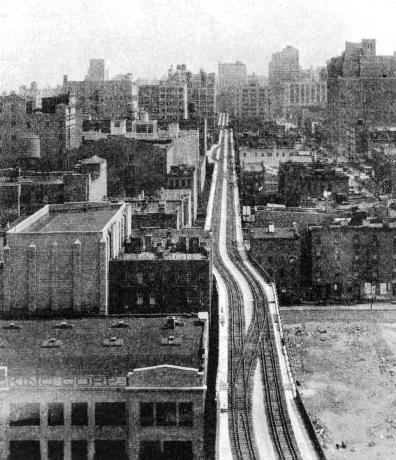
<point x="256" y="101"/>
<point x="96" y="70"/>
<point x="284" y="67"/>
<point x="172" y="101"/>
<point x="361" y="91"/>
<point x="201" y="94"/>
<point x="231" y="75"/>
<point x="99" y="99"/>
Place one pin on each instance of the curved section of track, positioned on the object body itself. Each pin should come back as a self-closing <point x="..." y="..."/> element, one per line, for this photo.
<point x="247" y="346"/>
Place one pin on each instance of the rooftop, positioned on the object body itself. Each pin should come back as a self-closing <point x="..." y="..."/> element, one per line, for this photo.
<point x="84" y="346"/>
<point x="166" y="255"/>
<point x="69" y="217"/>
<point x="278" y="233"/>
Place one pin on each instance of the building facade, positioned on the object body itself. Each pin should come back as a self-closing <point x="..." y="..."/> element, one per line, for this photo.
<point x="278" y="252"/>
<point x="99" y="100"/>
<point x="163" y="270"/>
<point x="354" y="262"/>
<point x="93" y="389"/>
<point x="58" y="258"/>
<point x="361" y="90"/>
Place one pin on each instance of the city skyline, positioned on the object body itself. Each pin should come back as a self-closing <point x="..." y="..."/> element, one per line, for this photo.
<point x="146" y="39"/>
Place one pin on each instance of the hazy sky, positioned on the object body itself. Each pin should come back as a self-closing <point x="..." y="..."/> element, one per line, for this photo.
<point x="44" y="39"/>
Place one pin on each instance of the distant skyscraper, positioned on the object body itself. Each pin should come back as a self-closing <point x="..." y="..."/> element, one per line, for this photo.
<point x="232" y="75"/>
<point x="96" y="71"/>
<point x="284" y="67"/>
<point x="232" y="78"/>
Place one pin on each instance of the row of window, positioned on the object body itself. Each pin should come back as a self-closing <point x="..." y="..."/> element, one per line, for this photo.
<point x="356" y="240"/>
<point x="31" y="450"/>
<point x="106" y="414"/>
<point x="166" y="414"/>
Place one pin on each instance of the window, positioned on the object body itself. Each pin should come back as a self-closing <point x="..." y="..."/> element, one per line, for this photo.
<point x="139" y="278"/>
<point x="152" y="298"/>
<point x="139" y="298"/>
<point x="186" y="415"/>
<point x="27" y="414"/>
<point x="110" y="450"/>
<point x="166" y="414"/>
<point x="146" y="414"/>
<point x="79" y="450"/>
<point x="149" y="450"/>
<point x="79" y="414"/>
<point x="24" y="450"/>
<point x="110" y="414"/>
<point x="55" y="414"/>
<point x="336" y="238"/>
<point x="55" y="450"/>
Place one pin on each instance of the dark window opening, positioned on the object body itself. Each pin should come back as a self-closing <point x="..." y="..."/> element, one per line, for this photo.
<point x="166" y="414"/>
<point x="55" y="414"/>
<point x="178" y="449"/>
<point x="150" y="450"/>
<point x="110" y="414"/>
<point x="27" y="414"/>
<point x="55" y="450"/>
<point x="186" y="415"/>
<point x="146" y="414"/>
<point x="24" y="450"/>
<point x="79" y="450"/>
<point x="79" y="414"/>
<point x="111" y="450"/>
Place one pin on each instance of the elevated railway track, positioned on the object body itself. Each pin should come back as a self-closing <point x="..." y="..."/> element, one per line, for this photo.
<point x="249" y="344"/>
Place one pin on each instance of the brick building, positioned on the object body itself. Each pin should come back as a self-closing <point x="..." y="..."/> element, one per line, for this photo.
<point x="354" y="262"/>
<point x="171" y="209"/>
<point x="283" y="68"/>
<point x="58" y="258"/>
<point x="42" y="137"/>
<point x="104" y="388"/>
<point x="88" y="182"/>
<point x="361" y="90"/>
<point x="99" y="100"/>
<point x="256" y="101"/>
<point x="298" y="180"/>
<point x="278" y="252"/>
<point x="148" y="99"/>
<point x="163" y="270"/>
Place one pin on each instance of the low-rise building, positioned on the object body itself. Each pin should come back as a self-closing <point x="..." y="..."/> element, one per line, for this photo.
<point x="104" y="388"/>
<point x="310" y="181"/>
<point x="57" y="260"/>
<point x="278" y="252"/>
<point x="27" y="191"/>
<point x="171" y="209"/>
<point x="163" y="270"/>
<point x="354" y="262"/>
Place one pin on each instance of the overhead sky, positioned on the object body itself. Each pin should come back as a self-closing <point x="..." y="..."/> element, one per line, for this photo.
<point x="43" y="39"/>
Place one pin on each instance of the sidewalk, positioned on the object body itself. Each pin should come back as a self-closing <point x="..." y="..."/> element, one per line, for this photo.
<point x="362" y="306"/>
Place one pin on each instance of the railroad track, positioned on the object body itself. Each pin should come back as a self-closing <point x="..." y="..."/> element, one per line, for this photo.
<point x="248" y="348"/>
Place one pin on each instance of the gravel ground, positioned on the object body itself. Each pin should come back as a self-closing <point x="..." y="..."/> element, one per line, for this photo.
<point x="345" y="363"/>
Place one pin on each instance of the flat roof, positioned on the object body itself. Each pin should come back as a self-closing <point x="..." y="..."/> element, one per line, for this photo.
<point x="73" y="220"/>
<point x="165" y="256"/>
<point x="278" y="233"/>
<point x="82" y="350"/>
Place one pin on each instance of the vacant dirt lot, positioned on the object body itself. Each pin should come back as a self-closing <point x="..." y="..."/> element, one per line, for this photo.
<point x="345" y="363"/>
